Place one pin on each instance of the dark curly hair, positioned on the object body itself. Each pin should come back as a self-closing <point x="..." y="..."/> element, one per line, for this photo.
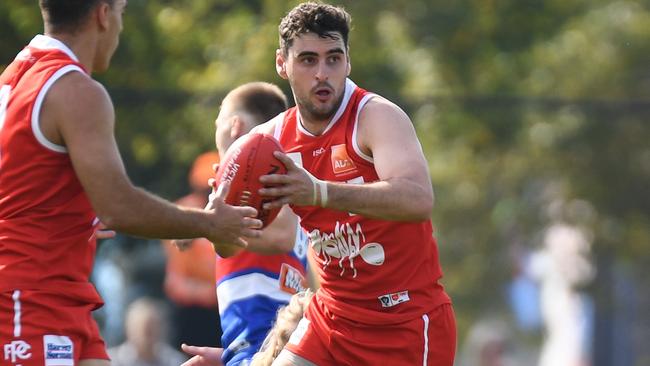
<point x="322" y="19"/>
<point x="67" y="15"/>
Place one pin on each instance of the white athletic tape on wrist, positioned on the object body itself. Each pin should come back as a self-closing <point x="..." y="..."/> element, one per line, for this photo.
<point x="322" y="185"/>
<point x="319" y="186"/>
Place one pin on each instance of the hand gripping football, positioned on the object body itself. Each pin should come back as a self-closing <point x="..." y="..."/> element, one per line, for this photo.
<point x="248" y="158"/>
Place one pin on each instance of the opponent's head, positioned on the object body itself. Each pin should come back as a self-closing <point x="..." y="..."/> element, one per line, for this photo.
<point x="244" y="108"/>
<point x="73" y="17"/>
<point x="313" y="57"/>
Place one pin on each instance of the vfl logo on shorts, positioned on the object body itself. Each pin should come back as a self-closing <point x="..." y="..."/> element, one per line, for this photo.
<point x="17" y="351"/>
<point x="393" y="299"/>
<point x="59" y="350"/>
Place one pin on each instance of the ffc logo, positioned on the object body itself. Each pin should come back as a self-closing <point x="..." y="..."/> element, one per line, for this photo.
<point x="341" y="162"/>
<point x="17" y="350"/>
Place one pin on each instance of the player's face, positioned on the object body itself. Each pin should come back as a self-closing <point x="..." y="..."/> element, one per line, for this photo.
<point x="111" y="37"/>
<point x="316" y="68"/>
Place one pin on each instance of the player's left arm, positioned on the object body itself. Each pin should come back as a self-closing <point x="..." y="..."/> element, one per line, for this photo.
<point x="403" y="191"/>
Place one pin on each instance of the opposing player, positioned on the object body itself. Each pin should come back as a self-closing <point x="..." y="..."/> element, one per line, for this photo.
<point x="60" y="174"/>
<point x="359" y="181"/>
<point x="251" y="287"/>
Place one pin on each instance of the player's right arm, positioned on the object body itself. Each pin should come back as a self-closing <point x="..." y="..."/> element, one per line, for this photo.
<point x="78" y="113"/>
<point x="278" y="237"/>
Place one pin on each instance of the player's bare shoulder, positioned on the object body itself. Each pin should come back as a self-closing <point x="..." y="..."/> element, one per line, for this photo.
<point x="378" y="119"/>
<point x="380" y="109"/>
<point x="76" y="93"/>
<point x="73" y="100"/>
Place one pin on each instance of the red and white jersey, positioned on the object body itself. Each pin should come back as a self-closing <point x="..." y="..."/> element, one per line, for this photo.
<point x="372" y="271"/>
<point x="46" y="221"/>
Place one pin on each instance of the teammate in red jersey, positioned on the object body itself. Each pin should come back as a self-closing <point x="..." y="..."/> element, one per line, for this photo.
<point x="359" y="181"/>
<point x="60" y="175"/>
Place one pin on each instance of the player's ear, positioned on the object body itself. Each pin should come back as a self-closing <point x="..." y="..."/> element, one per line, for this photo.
<point x="102" y="13"/>
<point x="236" y="127"/>
<point x="280" y="64"/>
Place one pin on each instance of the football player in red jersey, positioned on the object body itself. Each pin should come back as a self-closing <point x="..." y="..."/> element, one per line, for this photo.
<point x="358" y="179"/>
<point x="61" y="175"/>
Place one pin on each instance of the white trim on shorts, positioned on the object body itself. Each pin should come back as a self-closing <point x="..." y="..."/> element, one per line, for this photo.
<point x="295" y="360"/>
<point x="17" y="313"/>
<point x="425" y="317"/>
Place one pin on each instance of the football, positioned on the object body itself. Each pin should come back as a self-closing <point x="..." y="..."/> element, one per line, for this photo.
<point x="248" y="158"/>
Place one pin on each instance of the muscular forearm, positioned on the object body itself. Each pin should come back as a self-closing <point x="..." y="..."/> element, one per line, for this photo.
<point x="139" y="213"/>
<point x="395" y="199"/>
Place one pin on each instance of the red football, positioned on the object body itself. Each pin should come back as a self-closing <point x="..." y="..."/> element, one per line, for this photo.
<point x="248" y="158"/>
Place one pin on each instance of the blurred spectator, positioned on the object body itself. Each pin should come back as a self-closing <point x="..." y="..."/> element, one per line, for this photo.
<point x="145" y="345"/>
<point x="524" y="293"/>
<point x="189" y="278"/>
<point x="562" y="267"/>
<point x="490" y="342"/>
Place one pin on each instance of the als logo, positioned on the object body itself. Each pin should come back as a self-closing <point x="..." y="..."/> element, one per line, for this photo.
<point x="341" y="162"/>
<point x="17" y="350"/>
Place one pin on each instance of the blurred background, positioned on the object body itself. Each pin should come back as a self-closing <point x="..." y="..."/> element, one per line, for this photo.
<point x="534" y="116"/>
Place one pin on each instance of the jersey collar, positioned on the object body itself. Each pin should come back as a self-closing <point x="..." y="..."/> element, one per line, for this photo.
<point x="46" y="43"/>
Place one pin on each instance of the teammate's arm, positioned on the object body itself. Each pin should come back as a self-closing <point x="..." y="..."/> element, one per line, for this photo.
<point x="278" y="237"/>
<point x="403" y="192"/>
<point x="78" y="113"/>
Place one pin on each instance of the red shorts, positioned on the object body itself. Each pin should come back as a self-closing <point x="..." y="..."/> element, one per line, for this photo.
<point x="40" y="328"/>
<point x="326" y="339"/>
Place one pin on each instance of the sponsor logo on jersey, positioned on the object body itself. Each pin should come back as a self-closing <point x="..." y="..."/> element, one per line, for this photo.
<point x="59" y="350"/>
<point x="341" y="162"/>
<point x="318" y="151"/>
<point x="291" y="280"/>
<point x="346" y="243"/>
<point x="393" y="299"/>
<point x="17" y="351"/>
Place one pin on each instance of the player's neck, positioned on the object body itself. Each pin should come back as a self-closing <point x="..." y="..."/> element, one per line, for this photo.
<point x="83" y="45"/>
<point x="313" y="125"/>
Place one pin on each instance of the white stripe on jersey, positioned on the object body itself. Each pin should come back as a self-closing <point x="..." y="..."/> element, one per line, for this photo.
<point x="248" y="285"/>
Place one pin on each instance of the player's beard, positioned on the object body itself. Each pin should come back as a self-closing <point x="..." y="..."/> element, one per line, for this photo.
<point x="313" y="113"/>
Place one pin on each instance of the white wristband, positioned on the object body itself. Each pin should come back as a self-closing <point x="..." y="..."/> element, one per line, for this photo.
<point x="322" y="186"/>
<point x="320" y="189"/>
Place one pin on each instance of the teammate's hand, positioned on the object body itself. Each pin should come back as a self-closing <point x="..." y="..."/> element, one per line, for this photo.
<point x="297" y="186"/>
<point x="203" y="356"/>
<point x="102" y="232"/>
<point x="232" y="224"/>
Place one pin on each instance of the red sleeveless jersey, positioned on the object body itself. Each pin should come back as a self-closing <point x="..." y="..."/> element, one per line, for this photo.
<point x="46" y="221"/>
<point x="372" y="271"/>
